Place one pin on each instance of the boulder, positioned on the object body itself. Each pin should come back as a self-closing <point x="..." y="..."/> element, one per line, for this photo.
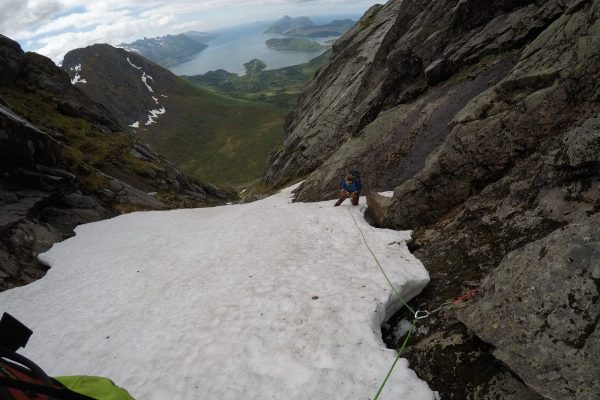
<point x="377" y="204"/>
<point x="540" y="311"/>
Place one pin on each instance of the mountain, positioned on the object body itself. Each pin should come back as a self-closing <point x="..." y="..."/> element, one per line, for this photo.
<point x="334" y="28"/>
<point x="286" y="23"/>
<point x="483" y="118"/>
<point x="294" y="44"/>
<point x="66" y="160"/>
<point x="209" y="136"/>
<point x="304" y="27"/>
<point x="200" y="37"/>
<point x="170" y="50"/>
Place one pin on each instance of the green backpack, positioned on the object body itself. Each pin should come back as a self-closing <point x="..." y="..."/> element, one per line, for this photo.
<point x="95" y="387"/>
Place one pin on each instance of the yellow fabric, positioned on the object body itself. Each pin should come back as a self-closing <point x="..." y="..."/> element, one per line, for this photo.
<point x="95" y="387"/>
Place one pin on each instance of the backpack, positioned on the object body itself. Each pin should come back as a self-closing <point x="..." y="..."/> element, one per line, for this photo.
<point x="22" y="379"/>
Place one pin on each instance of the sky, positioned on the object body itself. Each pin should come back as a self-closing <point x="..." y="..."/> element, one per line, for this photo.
<point x="53" y="27"/>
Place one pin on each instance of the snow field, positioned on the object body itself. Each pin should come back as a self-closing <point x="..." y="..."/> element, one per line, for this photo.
<point x="269" y="300"/>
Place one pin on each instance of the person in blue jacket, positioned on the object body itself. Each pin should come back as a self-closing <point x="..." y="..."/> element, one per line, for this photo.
<point x="350" y="188"/>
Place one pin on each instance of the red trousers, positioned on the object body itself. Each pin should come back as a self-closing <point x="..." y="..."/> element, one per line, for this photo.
<point x="345" y="194"/>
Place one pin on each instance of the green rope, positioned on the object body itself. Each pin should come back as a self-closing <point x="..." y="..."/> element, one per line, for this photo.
<point x="379" y="265"/>
<point x="413" y="324"/>
<point x="400" y="351"/>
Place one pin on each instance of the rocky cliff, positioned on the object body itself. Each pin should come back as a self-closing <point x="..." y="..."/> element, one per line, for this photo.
<point x="484" y="117"/>
<point x="64" y="161"/>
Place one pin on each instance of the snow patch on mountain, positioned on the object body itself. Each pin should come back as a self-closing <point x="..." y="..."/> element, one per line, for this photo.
<point x="136" y="124"/>
<point x="154" y="115"/>
<point x="145" y="80"/>
<point x="266" y="300"/>
<point x="132" y="64"/>
<point x="77" y="78"/>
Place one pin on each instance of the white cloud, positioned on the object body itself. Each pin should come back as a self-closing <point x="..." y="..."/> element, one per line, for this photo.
<point x="25" y="14"/>
<point x="76" y="22"/>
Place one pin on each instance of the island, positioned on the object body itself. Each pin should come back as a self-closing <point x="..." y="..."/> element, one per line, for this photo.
<point x="295" y="44"/>
<point x="304" y="27"/>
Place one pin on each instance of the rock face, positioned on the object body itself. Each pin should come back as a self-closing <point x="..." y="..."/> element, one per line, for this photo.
<point x="384" y="101"/>
<point x="64" y="162"/>
<point x="36" y="189"/>
<point x="488" y="136"/>
<point x="554" y="336"/>
<point x="484" y="117"/>
<point x="516" y="167"/>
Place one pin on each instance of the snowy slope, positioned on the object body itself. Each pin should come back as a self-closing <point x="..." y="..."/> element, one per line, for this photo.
<point x="222" y="303"/>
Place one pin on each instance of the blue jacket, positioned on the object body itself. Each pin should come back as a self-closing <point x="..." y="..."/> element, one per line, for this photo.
<point x="353" y="187"/>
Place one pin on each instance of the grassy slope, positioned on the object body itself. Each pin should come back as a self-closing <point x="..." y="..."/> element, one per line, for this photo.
<point x="214" y="137"/>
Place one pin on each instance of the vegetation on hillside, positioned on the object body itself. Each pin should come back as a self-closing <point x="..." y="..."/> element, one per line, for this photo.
<point x="228" y="124"/>
<point x="304" y="27"/>
<point x="279" y="87"/>
<point x="87" y="148"/>
<point x="213" y="137"/>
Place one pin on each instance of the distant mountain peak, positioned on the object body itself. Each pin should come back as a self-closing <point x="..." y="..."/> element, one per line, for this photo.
<point x="170" y="50"/>
<point x="305" y="27"/>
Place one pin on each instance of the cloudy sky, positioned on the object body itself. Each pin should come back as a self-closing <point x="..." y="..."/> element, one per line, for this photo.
<point x="53" y="27"/>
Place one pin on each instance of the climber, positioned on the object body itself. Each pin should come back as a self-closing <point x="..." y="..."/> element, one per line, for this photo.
<point x="350" y="188"/>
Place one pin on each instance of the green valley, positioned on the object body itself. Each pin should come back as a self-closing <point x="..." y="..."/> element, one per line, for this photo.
<point x="215" y="137"/>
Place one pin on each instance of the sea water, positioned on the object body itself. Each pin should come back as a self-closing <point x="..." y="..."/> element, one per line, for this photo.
<point x="237" y="45"/>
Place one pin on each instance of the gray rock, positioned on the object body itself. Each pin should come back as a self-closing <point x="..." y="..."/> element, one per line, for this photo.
<point x="488" y="135"/>
<point x="12" y="60"/>
<point x="436" y="71"/>
<point x="78" y="200"/>
<point x="24" y="144"/>
<point x="541" y="313"/>
<point x="12" y="213"/>
<point x="581" y="146"/>
<point x="396" y="144"/>
<point x="377" y="204"/>
<point x="126" y="194"/>
<point x="8" y="197"/>
<point x="395" y="54"/>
